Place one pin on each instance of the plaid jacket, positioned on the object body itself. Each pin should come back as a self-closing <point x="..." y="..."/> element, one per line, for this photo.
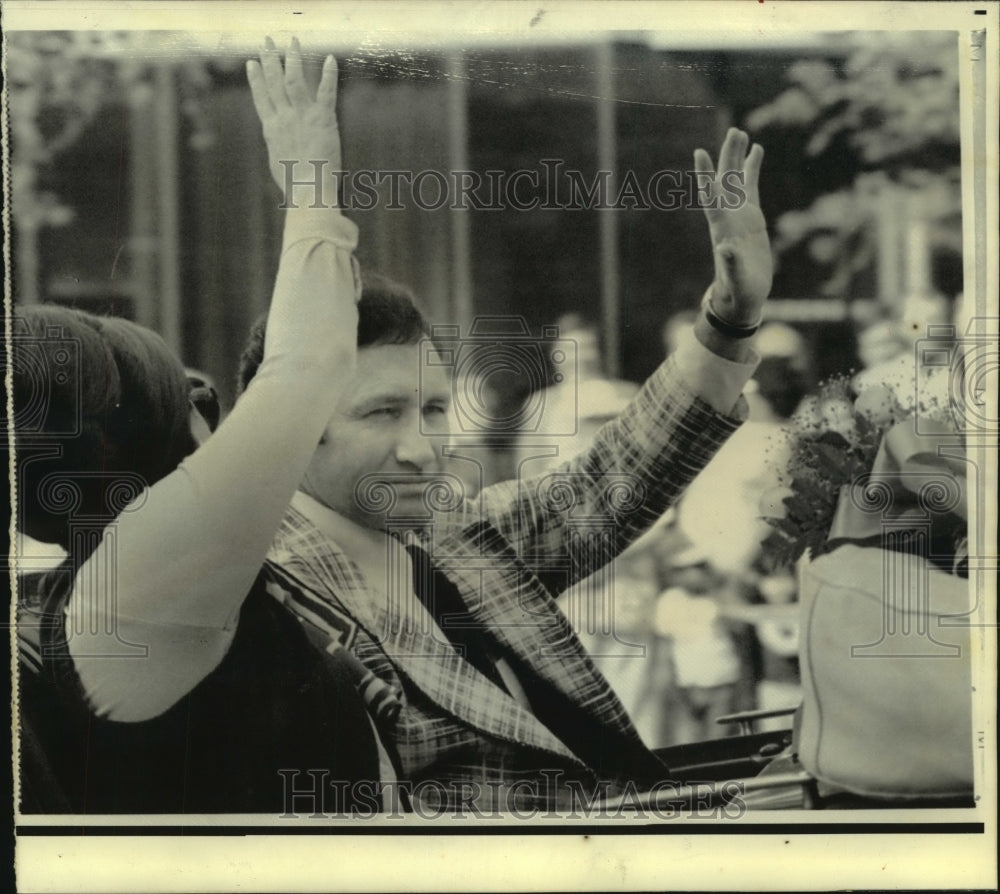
<point x="461" y="741"/>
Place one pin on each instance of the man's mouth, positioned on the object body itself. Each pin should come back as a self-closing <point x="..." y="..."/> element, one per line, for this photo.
<point x="412" y="485"/>
<point x="437" y="492"/>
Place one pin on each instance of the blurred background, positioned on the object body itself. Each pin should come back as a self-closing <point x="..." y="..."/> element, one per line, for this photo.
<point x="139" y="187"/>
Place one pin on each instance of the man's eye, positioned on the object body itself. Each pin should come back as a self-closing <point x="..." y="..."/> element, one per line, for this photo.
<point x="435" y="410"/>
<point x="383" y="413"/>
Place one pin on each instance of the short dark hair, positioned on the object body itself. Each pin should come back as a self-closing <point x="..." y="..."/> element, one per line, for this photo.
<point x="111" y="396"/>
<point x="388" y="314"/>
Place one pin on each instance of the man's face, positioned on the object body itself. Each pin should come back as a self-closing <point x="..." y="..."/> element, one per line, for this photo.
<point x="391" y="425"/>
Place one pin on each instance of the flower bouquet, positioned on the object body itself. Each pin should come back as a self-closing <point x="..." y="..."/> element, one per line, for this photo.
<point x="873" y="510"/>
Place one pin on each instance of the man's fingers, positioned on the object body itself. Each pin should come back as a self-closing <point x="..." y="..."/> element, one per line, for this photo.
<point x="733" y="150"/>
<point x="326" y="95"/>
<point x="751" y="177"/>
<point x="274" y="77"/>
<point x="295" y="82"/>
<point x="726" y="153"/>
<point x="703" y="166"/>
<point x="703" y="162"/>
<point x="258" y="90"/>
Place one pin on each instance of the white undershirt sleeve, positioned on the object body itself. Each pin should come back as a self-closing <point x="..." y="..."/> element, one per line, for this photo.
<point x="173" y="569"/>
<point x="716" y="380"/>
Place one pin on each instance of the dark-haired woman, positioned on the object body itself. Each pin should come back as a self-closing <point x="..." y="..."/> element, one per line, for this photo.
<point x="158" y="673"/>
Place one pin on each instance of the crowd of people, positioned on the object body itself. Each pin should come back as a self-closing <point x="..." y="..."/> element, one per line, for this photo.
<point x="307" y="593"/>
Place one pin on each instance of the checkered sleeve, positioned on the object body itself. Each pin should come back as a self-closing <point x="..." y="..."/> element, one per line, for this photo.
<point x="575" y="519"/>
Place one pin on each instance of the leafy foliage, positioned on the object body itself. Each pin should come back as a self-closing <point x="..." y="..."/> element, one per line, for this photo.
<point x="892" y="105"/>
<point x="824" y="460"/>
<point x="835" y="448"/>
<point x="57" y="84"/>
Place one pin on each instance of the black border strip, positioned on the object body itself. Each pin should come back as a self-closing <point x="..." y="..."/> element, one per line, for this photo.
<point x="626" y="828"/>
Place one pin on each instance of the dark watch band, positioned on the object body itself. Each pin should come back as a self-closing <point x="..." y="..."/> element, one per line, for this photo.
<point x="730" y="330"/>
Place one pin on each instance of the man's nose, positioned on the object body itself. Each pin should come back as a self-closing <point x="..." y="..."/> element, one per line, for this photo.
<point x="416" y="449"/>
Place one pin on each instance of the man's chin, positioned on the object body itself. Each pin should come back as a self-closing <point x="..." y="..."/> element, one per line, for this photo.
<point x="411" y="503"/>
<point x="408" y="512"/>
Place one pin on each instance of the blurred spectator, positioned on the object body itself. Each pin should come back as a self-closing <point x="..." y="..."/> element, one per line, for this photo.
<point x="720" y="515"/>
<point x="778" y="683"/>
<point x="720" y="511"/>
<point x="881" y="342"/>
<point x="706" y="665"/>
<point x="579" y="402"/>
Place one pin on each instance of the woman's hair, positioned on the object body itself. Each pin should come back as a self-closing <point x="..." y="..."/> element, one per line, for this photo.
<point x="100" y="411"/>
<point x="388" y="314"/>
